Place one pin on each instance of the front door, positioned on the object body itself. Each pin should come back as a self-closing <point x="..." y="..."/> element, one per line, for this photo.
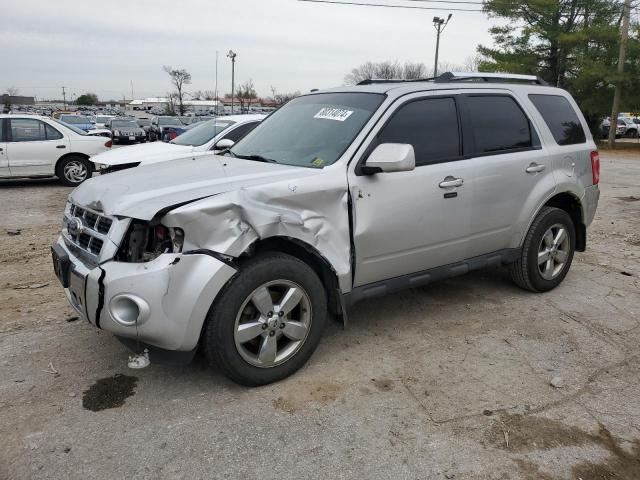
<point x="34" y="147"/>
<point x="406" y="222"/>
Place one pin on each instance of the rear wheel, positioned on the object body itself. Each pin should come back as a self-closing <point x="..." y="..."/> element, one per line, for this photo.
<point x="547" y="252"/>
<point x="268" y="320"/>
<point x="73" y="170"/>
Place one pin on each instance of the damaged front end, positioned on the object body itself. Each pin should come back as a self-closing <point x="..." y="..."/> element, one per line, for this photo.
<point x="130" y="277"/>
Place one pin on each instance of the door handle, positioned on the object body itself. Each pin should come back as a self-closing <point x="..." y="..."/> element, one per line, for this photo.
<point x="450" y="181"/>
<point x="60" y="146"/>
<point x="535" y="168"/>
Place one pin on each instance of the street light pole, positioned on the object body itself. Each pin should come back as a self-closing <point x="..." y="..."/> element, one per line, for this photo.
<point x="439" y="24"/>
<point x="232" y="55"/>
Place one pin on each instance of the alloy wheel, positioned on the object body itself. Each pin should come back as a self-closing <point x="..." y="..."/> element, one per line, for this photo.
<point x="553" y="252"/>
<point x="75" y="171"/>
<point x="273" y="323"/>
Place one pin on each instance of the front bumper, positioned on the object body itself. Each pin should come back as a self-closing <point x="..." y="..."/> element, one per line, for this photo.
<point x="163" y="303"/>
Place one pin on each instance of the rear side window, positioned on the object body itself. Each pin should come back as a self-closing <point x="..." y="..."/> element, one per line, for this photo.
<point x="498" y="124"/>
<point x="52" y="133"/>
<point x="430" y="125"/>
<point x="561" y="118"/>
<point x="2" y="139"/>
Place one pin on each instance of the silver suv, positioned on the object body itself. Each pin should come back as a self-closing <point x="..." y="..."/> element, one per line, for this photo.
<point x="339" y="196"/>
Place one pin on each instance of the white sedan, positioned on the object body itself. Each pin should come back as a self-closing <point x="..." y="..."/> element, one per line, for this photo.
<point x="34" y="146"/>
<point x="202" y="138"/>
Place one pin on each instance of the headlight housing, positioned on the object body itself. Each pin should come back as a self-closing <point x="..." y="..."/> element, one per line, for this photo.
<point x="146" y="241"/>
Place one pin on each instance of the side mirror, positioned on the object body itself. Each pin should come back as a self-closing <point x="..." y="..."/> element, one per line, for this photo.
<point x="390" y="157"/>
<point x="224" y="144"/>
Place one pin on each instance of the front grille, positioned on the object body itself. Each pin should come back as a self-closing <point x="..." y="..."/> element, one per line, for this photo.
<point x="90" y="238"/>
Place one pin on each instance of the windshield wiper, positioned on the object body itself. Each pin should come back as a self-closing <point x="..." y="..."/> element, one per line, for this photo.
<point x="258" y="158"/>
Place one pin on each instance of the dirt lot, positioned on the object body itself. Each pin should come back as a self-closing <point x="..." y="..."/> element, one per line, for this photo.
<point x="450" y="381"/>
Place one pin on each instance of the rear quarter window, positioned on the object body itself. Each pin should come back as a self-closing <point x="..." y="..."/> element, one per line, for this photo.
<point x="560" y="117"/>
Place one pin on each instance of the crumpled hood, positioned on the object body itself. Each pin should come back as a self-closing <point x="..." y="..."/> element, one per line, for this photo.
<point x="143" y="191"/>
<point x="143" y="153"/>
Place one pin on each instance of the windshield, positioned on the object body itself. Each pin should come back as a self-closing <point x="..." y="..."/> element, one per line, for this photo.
<point x="201" y="133"/>
<point x="124" y="123"/>
<point x="102" y="119"/>
<point x="75" y="119"/>
<point x="70" y="127"/>
<point x="310" y="131"/>
<point x="169" y="121"/>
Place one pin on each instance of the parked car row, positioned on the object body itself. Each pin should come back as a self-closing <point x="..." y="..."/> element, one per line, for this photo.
<point x="626" y="127"/>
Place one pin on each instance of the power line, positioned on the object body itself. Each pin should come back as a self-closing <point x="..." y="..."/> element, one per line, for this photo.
<point x="412" y="7"/>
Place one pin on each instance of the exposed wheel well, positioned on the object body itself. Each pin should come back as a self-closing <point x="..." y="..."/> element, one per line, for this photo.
<point x="310" y="256"/>
<point x="571" y="205"/>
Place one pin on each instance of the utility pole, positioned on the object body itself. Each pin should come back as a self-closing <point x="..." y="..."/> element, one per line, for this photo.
<point x="439" y="24"/>
<point x="232" y="55"/>
<point x="622" y="57"/>
<point x="216" y="89"/>
<point x="64" y="98"/>
<point x="131" y="90"/>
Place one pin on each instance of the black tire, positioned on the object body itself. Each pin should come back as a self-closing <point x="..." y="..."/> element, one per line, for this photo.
<point x="525" y="271"/>
<point x="68" y="180"/>
<point x="218" y="339"/>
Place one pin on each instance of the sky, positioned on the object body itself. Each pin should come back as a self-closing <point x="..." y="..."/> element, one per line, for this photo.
<point x="104" y="47"/>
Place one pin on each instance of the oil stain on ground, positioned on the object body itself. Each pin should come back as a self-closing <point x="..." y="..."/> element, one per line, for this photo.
<point x="529" y="433"/>
<point x="110" y="392"/>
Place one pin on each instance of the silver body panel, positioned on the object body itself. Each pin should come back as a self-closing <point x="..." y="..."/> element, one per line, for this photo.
<point x="367" y="227"/>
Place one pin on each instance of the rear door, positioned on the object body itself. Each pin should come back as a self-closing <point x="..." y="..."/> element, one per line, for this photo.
<point x="4" y="159"/>
<point x="34" y="147"/>
<point x="512" y="171"/>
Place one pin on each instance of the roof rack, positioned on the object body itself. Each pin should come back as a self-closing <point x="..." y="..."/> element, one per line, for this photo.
<point x="488" y="77"/>
<point x="463" y="76"/>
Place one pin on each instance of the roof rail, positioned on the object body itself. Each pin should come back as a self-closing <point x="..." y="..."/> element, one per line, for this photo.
<point x="371" y="81"/>
<point x="488" y="77"/>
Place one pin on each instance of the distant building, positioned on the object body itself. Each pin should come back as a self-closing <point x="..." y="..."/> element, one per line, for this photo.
<point x="16" y="100"/>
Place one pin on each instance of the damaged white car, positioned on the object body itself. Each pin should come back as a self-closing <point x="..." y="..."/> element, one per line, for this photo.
<point x="339" y="196"/>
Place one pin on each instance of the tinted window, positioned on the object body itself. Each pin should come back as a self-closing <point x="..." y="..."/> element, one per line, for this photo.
<point x="498" y="124"/>
<point x="52" y="133"/>
<point x="431" y="126"/>
<point x="27" y="130"/>
<point x="2" y="139"/>
<point x="561" y="118"/>
<point x="201" y="133"/>
<point x="241" y="131"/>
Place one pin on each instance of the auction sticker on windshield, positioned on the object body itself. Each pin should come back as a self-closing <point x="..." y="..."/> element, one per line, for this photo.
<point x="330" y="113"/>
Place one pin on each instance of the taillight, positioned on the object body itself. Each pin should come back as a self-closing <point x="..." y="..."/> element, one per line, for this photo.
<point x="595" y="167"/>
<point x="108" y="144"/>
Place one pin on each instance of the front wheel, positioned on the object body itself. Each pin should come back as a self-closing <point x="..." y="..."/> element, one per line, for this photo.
<point x="547" y="252"/>
<point x="267" y="321"/>
<point x="73" y="170"/>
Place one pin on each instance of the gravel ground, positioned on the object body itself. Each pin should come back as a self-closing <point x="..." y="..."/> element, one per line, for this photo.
<point x="449" y="381"/>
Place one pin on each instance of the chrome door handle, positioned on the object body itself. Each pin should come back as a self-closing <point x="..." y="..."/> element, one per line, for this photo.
<point x="535" y="168"/>
<point x="451" y="182"/>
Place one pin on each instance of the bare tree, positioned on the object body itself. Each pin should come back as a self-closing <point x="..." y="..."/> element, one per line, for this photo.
<point x="179" y="78"/>
<point x="282" y="98"/>
<point x="246" y="94"/>
<point x="12" y="91"/>
<point x="387" y="70"/>
<point x="170" y="108"/>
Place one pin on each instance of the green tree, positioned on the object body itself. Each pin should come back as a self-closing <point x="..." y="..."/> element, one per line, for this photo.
<point x="87" y="99"/>
<point x="569" y="43"/>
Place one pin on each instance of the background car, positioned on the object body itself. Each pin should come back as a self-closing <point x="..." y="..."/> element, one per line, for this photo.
<point x="99" y="121"/>
<point x="78" y="121"/>
<point x="35" y="146"/>
<point x="631" y="128"/>
<point x="126" y="130"/>
<point x="159" y="124"/>
<point x="202" y="139"/>
<point x="145" y="124"/>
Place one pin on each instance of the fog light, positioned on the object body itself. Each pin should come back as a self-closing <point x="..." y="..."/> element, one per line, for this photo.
<point x="128" y="310"/>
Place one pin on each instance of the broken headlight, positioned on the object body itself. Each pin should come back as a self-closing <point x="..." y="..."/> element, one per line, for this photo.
<point x="145" y="241"/>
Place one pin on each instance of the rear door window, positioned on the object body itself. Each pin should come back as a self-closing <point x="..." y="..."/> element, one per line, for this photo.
<point x="498" y="124"/>
<point x="27" y="130"/>
<point x="52" y="133"/>
<point x="2" y="139"/>
<point x="430" y="125"/>
<point x="237" y="133"/>
<point x="560" y="117"/>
